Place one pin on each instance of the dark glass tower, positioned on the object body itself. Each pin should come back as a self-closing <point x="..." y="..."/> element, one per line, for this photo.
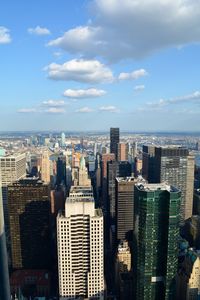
<point x="175" y="166"/>
<point x="157" y="214"/>
<point x="29" y="213"/>
<point x="114" y="141"/>
<point x="4" y="276"/>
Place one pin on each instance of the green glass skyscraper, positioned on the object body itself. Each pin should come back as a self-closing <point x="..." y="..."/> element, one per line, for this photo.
<point x="157" y="208"/>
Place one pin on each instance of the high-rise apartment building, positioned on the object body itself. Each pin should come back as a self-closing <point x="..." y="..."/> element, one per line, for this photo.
<point x="29" y="213"/>
<point x="123" y="151"/>
<point x="175" y="166"/>
<point x="114" y="141"/>
<point x="12" y="167"/>
<point x="80" y="247"/>
<point x="157" y="214"/>
<point x="4" y="275"/>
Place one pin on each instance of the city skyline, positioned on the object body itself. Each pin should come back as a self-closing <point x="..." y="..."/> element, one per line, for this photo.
<point x="81" y="65"/>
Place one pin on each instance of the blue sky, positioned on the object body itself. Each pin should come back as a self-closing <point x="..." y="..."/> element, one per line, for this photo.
<point x="90" y="65"/>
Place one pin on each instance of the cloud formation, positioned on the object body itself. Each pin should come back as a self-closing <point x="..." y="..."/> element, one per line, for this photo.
<point x="139" y="88"/>
<point x="27" y="110"/>
<point x="39" y="31"/>
<point x="186" y="99"/>
<point x="86" y="71"/>
<point x="5" y="37"/>
<point x="55" y="110"/>
<point x="109" y="108"/>
<point x="84" y="110"/>
<point x="84" y="93"/>
<point x="133" y="75"/>
<point x="54" y="103"/>
<point x="122" y="29"/>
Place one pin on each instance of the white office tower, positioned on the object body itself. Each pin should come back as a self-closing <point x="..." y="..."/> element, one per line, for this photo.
<point x="80" y="247"/>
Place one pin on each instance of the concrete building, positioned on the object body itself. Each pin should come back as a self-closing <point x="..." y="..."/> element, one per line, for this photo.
<point x="83" y="179"/>
<point x="45" y="167"/>
<point x="157" y="217"/>
<point x="124" y="278"/>
<point x="125" y="207"/>
<point x="188" y="283"/>
<point x="123" y="259"/>
<point x="123" y="151"/>
<point x="80" y="247"/>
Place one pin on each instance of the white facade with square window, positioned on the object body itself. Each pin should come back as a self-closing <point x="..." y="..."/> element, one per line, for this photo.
<point x="80" y="247"/>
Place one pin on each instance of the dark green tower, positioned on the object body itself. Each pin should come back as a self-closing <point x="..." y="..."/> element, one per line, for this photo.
<point x="157" y="231"/>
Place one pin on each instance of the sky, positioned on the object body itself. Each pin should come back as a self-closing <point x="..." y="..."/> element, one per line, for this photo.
<point x="91" y="65"/>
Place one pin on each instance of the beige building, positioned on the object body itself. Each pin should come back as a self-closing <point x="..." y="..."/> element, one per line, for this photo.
<point x="188" y="277"/>
<point x="80" y="247"/>
<point x="123" y="151"/>
<point x="123" y="257"/>
<point x="45" y="166"/>
<point x="83" y="179"/>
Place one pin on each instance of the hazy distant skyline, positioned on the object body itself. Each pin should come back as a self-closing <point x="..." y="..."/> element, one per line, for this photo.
<point x="91" y="65"/>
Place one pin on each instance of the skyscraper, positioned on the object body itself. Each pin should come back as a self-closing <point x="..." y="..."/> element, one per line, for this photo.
<point x="62" y="139"/>
<point x="114" y="141"/>
<point x="45" y="166"/>
<point x="157" y="214"/>
<point x="123" y="151"/>
<point x="80" y="247"/>
<point x="115" y="169"/>
<point x="29" y="213"/>
<point x="4" y="276"/>
<point x="175" y="166"/>
<point x="12" y="167"/>
<point x="83" y="178"/>
<point x="125" y="208"/>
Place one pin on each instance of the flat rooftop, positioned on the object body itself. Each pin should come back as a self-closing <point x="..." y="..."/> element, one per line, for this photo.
<point x="152" y="187"/>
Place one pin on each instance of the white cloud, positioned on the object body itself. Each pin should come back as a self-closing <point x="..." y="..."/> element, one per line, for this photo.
<point x="39" y="31"/>
<point x="27" y="110"/>
<point x="4" y="35"/>
<point x="55" y="110"/>
<point x="133" y="75"/>
<point x="139" y="88"/>
<point x="88" y="71"/>
<point x="84" y="110"/>
<point x="109" y="108"/>
<point x="84" y="93"/>
<point x="54" y="103"/>
<point x="133" y="28"/>
<point x="186" y="99"/>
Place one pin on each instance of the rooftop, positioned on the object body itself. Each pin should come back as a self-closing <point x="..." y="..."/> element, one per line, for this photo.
<point x="152" y="187"/>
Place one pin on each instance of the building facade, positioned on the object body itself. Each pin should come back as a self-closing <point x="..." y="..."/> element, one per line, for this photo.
<point x="114" y="141"/>
<point x="12" y="167"/>
<point x="175" y="166"/>
<point x="80" y="247"/>
<point x="29" y="216"/>
<point x="157" y="215"/>
<point x="4" y="275"/>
